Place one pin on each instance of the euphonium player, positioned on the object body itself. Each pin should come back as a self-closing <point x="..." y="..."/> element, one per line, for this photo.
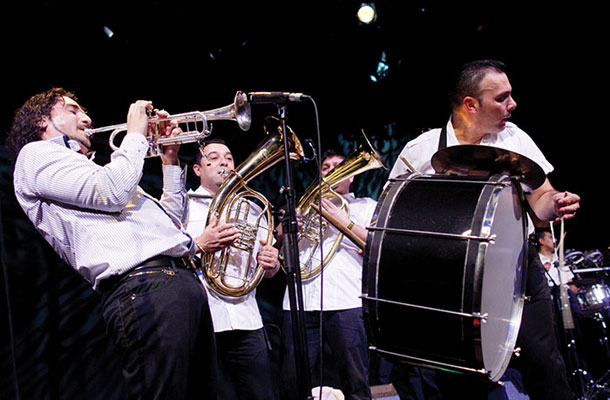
<point x="341" y="307"/>
<point x="244" y="365"/>
<point x="130" y="247"/>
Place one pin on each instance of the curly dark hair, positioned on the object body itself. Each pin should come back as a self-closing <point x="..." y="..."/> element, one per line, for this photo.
<point x="26" y="125"/>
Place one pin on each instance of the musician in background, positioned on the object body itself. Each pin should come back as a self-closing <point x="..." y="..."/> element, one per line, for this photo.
<point x="130" y="247"/>
<point x="243" y="359"/>
<point x="482" y="104"/>
<point x="545" y="245"/>
<point x="340" y="307"/>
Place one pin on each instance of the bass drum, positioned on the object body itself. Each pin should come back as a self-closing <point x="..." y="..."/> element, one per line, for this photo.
<point x="444" y="267"/>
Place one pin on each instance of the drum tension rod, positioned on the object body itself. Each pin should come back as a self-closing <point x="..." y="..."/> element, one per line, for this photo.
<point x="491" y="238"/>
<point x="476" y="315"/>
<point x="431" y="363"/>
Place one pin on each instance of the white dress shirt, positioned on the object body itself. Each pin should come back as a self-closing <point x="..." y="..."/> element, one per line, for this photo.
<point x="96" y="217"/>
<point x="420" y="150"/>
<point x="228" y="313"/>
<point x="552" y="274"/>
<point x="341" y="280"/>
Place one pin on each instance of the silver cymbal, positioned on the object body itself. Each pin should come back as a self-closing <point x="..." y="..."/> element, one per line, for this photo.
<point x="479" y="160"/>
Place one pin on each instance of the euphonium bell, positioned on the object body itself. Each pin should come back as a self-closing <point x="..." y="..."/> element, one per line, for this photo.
<point x="231" y="205"/>
<point x="364" y="158"/>
<point x="196" y="125"/>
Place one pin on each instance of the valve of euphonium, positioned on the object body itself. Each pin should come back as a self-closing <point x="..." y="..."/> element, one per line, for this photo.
<point x="313" y="227"/>
<point x="233" y="271"/>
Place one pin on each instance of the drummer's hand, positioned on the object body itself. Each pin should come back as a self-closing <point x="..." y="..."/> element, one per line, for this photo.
<point x="565" y="204"/>
<point x="337" y="212"/>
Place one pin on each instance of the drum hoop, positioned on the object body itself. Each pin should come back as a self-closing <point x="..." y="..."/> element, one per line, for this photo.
<point x="484" y="222"/>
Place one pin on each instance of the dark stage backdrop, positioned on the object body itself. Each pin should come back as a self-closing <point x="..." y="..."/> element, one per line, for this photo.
<point x="187" y="57"/>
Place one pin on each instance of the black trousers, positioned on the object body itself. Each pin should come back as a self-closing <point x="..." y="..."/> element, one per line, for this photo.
<point x="345" y="342"/>
<point x="541" y="365"/>
<point x="244" y="366"/>
<point x="160" y="321"/>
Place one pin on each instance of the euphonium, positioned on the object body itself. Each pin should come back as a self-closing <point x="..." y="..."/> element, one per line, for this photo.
<point x="364" y="158"/>
<point x="196" y="125"/>
<point x="229" y="271"/>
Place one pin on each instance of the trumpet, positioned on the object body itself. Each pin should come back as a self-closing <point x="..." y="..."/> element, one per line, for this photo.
<point x="196" y="130"/>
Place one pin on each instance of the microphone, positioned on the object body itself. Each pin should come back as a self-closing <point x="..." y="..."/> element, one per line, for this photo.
<point x="275" y="97"/>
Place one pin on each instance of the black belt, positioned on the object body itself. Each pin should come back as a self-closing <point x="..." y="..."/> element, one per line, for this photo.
<point x="154" y="262"/>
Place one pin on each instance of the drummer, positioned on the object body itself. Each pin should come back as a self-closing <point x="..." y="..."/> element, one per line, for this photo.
<point x="482" y="104"/>
<point x="545" y="244"/>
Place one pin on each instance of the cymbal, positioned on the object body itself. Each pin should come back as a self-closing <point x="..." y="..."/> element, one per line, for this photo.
<point x="480" y="160"/>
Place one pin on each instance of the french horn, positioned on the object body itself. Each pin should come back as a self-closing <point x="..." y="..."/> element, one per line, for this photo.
<point x="364" y="158"/>
<point x="232" y="271"/>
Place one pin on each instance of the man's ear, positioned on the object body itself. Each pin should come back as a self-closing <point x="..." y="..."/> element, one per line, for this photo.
<point x="44" y="124"/>
<point x="197" y="169"/>
<point x="471" y="104"/>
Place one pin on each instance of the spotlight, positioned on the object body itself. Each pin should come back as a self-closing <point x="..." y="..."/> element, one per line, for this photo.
<point x="366" y="13"/>
<point x="382" y="69"/>
<point x="108" y="32"/>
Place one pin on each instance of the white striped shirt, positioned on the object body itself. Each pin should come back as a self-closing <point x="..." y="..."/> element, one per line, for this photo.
<point x="96" y="217"/>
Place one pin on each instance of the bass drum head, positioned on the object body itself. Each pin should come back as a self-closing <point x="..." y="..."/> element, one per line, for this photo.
<point x="445" y="256"/>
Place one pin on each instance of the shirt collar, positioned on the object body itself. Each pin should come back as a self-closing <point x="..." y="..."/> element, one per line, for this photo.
<point x="63" y="140"/>
<point x="453" y="141"/>
<point x="200" y="192"/>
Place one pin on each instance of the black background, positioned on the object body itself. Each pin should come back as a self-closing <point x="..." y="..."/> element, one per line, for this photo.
<point x="188" y="57"/>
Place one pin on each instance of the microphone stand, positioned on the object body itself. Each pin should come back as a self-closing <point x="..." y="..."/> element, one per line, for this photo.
<point x="290" y="229"/>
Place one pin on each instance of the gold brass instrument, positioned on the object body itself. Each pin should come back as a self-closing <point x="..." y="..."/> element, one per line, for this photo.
<point x="364" y="158"/>
<point x="232" y="271"/>
<point x="196" y="122"/>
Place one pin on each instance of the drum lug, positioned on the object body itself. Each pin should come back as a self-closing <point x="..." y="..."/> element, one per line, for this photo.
<point x="482" y="317"/>
<point x="517" y="351"/>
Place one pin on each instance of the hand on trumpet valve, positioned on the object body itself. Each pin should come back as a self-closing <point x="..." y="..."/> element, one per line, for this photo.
<point x="168" y="128"/>
<point x="137" y="117"/>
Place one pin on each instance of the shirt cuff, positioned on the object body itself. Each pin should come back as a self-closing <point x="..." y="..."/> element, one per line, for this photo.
<point x="174" y="177"/>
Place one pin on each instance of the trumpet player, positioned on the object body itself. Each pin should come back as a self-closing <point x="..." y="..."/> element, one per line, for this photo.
<point x="341" y="306"/>
<point x="243" y="360"/>
<point x="130" y="247"/>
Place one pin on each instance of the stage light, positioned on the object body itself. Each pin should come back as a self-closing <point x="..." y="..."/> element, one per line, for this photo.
<point x="366" y="13"/>
<point x="108" y="32"/>
<point x="382" y="69"/>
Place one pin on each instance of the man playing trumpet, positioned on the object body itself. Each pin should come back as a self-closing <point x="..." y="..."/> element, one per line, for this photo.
<point x="130" y="247"/>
